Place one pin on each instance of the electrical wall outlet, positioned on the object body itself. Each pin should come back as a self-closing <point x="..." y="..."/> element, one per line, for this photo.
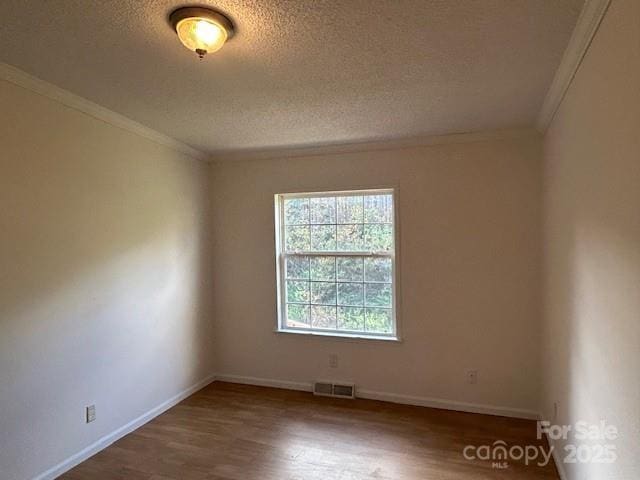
<point x="472" y="376"/>
<point x="90" y="413"/>
<point x="333" y="360"/>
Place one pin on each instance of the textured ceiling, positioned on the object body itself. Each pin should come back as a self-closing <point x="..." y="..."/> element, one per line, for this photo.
<point x="301" y="72"/>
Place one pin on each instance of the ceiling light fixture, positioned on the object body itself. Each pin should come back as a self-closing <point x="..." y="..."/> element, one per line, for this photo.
<point x="201" y="30"/>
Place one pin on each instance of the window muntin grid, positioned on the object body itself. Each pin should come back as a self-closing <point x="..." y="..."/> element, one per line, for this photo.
<point x="336" y="259"/>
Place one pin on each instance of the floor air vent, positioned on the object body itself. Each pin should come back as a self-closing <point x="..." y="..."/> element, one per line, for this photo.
<point x="328" y="389"/>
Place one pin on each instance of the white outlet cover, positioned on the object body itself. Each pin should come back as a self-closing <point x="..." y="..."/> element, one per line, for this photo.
<point x="90" y="413"/>
<point x="333" y="361"/>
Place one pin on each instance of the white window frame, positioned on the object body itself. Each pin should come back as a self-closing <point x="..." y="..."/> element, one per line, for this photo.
<point x="281" y="256"/>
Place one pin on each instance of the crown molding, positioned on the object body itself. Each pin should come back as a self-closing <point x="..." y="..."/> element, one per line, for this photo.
<point x="372" y="146"/>
<point x="22" y="79"/>
<point x="586" y="27"/>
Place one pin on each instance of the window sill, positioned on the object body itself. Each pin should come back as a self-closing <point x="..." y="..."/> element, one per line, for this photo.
<point x="340" y="336"/>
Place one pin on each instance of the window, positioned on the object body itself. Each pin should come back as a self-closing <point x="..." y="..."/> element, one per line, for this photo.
<point x="336" y="263"/>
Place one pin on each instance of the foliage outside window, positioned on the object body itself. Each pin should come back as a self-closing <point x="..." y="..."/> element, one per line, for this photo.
<point x="336" y="263"/>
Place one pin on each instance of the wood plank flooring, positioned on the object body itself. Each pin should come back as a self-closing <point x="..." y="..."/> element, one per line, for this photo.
<point x="240" y="432"/>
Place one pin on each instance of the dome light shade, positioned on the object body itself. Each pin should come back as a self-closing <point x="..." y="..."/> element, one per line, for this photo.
<point x="201" y="30"/>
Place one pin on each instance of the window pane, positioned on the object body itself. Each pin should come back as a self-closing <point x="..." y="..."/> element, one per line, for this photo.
<point x="377" y="294"/>
<point x="342" y="292"/>
<point x="350" y="294"/>
<point x="350" y="209"/>
<point x="297" y="291"/>
<point x="351" y="318"/>
<point x="298" y="315"/>
<point x="323" y="317"/>
<point x="297" y="238"/>
<point x="296" y="210"/>
<point x="323" y="293"/>
<point x="350" y="237"/>
<point x="378" y="237"/>
<point x="323" y="210"/>
<point x="297" y="268"/>
<point x="323" y="237"/>
<point x="377" y="269"/>
<point x="350" y="268"/>
<point x="378" y="208"/>
<point x="378" y="320"/>
<point x="323" y="268"/>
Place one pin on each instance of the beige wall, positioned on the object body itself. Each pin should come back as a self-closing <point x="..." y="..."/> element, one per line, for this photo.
<point x="469" y="271"/>
<point x="102" y="287"/>
<point x="592" y="245"/>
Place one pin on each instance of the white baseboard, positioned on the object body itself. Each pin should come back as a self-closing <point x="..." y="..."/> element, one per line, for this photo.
<point x="391" y="397"/>
<point x="265" y="382"/>
<point x="448" y="404"/>
<point x="107" y="440"/>
<point x="557" y="459"/>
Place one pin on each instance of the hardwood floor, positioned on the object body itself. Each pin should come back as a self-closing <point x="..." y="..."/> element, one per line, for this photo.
<point x="228" y="431"/>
